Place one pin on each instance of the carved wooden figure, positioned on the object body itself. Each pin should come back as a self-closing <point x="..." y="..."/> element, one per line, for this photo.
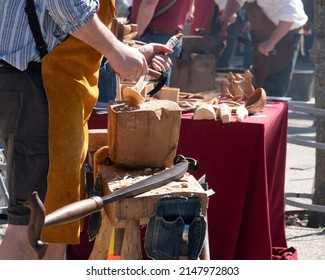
<point x="231" y="77"/>
<point x="225" y="89"/>
<point x="238" y="91"/>
<point x="248" y="87"/>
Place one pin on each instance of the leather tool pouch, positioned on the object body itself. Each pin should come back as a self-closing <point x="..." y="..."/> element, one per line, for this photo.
<point x="176" y="230"/>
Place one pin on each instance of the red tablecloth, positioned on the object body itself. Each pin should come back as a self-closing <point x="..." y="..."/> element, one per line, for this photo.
<point x="244" y="164"/>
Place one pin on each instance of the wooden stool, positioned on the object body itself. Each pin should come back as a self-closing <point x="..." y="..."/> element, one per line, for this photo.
<point x="129" y="214"/>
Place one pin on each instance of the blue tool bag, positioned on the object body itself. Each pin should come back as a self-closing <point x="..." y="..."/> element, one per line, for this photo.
<point x="176" y="230"/>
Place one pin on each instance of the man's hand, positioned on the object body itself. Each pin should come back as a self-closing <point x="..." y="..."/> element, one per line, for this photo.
<point x="266" y="47"/>
<point x="127" y="62"/>
<point x="156" y="55"/>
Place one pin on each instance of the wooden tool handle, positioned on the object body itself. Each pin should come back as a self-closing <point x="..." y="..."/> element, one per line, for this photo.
<point x="74" y="211"/>
<point x="171" y="43"/>
<point x="154" y="73"/>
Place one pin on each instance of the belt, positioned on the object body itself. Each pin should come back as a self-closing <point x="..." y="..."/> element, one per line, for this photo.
<point x="162" y="30"/>
<point x="33" y="66"/>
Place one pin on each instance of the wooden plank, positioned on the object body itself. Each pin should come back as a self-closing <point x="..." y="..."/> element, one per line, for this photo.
<point x="131" y="246"/>
<point x="102" y="241"/>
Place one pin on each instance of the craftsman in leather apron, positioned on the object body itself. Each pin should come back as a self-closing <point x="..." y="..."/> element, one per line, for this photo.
<point x="70" y="74"/>
<point x="272" y="72"/>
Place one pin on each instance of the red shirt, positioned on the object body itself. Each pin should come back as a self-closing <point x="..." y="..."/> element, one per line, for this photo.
<point x="174" y="18"/>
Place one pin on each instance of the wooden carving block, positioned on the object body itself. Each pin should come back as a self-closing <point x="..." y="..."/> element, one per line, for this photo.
<point x="224" y="113"/>
<point x="146" y="135"/>
<point x="195" y="73"/>
<point x="169" y="93"/>
<point x="204" y="112"/>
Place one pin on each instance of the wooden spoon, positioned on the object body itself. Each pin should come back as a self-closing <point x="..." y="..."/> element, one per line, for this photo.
<point x="256" y="102"/>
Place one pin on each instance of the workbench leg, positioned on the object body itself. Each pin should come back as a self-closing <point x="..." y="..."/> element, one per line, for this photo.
<point x="102" y="241"/>
<point x="205" y="253"/>
<point x="118" y="240"/>
<point x="131" y="247"/>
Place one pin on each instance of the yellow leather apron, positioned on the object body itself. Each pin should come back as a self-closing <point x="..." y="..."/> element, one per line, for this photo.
<point x="261" y="29"/>
<point x="70" y="74"/>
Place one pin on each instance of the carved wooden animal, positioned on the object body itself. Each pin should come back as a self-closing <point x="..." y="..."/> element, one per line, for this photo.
<point x="238" y="91"/>
<point x="248" y="87"/>
<point x="231" y="77"/>
<point x="225" y="89"/>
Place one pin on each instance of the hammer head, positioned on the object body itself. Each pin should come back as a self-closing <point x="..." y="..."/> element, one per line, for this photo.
<point x="161" y="82"/>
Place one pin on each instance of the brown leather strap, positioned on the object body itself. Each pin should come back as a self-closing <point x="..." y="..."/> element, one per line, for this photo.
<point x="258" y="20"/>
<point x="164" y="9"/>
<point x="161" y="30"/>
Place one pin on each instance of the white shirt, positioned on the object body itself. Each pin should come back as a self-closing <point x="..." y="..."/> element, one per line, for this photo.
<point x="282" y="10"/>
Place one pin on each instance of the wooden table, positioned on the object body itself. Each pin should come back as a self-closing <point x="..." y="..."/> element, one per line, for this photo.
<point x="244" y="163"/>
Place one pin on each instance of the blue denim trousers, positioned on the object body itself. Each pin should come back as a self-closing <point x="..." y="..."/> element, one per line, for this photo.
<point x="176" y="230"/>
<point x="107" y="82"/>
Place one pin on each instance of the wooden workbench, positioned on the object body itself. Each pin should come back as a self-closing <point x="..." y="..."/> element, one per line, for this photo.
<point x="129" y="214"/>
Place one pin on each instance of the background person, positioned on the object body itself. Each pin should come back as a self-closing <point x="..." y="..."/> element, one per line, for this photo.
<point x="158" y="20"/>
<point x="275" y="26"/>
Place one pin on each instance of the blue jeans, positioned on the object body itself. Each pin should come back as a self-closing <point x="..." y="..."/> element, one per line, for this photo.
<point x="106" y="82"/>
<point x="176" y="229"/>
<point x="149" y="37"/>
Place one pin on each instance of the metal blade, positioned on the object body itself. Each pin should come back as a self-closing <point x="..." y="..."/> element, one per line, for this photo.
<point x="141" y="83"/>
<point x="160" y="179"/>
<point x="83" y="208"/>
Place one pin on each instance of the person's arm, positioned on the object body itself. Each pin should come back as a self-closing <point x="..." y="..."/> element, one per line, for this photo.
<point x="126" y="61"/>
<point x="279" y="32"/>
<point x="145" y="14"/>
<point x="190" y="13"/>
<point x="228" y="15"/>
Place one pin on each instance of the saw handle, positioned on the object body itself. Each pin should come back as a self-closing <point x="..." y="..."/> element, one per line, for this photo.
<point x="66" y="214"/>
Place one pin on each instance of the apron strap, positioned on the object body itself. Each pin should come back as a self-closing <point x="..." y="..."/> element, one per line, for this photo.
<point x="35" y="27"/>
<point x="164" y="9"/>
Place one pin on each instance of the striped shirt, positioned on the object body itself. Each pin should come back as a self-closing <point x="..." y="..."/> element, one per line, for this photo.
<point x="57" y="18"/>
